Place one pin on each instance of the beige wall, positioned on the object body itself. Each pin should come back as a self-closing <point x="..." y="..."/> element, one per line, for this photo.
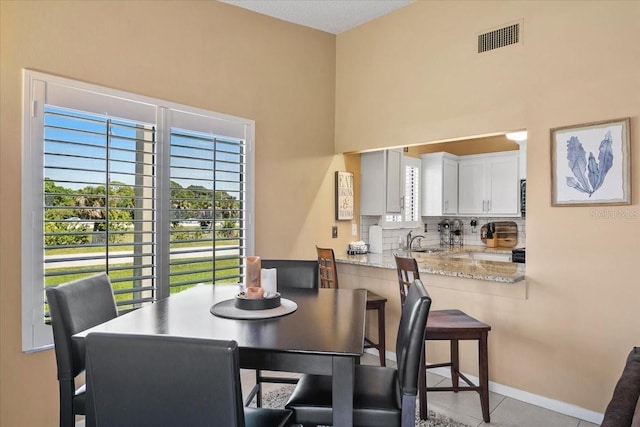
<point x="410" y="78"/>
<point x="206" y="54"/>
<point x="413" y="77"/>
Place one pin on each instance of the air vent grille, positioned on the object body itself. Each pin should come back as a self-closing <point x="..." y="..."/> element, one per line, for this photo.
<point x="499" y="38"/>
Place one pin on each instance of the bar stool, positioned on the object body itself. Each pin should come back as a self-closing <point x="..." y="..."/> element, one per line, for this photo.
<point x="329" y="279"/>
<point x="452" y="326"/>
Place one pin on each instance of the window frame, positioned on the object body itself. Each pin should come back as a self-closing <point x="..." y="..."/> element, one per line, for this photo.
<point x="38" y="88"/>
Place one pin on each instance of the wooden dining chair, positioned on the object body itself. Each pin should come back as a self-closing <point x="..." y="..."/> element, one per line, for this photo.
<point x="383" y="397"/>
<point x="452" y="326"/>
<point x="163" y="380"/>
<point x="291" y="274"/>
<point x="329" y="279"/>
<point x="74" y="307"/>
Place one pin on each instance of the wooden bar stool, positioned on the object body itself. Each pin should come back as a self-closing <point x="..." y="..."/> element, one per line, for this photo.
<point x="329" y="279"/>
<point x="452" y="326"/>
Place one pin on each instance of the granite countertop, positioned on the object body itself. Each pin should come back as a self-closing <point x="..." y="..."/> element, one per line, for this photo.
<point x="456" y="262"/>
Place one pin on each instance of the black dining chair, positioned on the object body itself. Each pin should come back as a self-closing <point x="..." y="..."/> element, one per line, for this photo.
<point x="294" y="273"/>
<point x="163" y="380"/>
<point x="291" y="274"/>
<point x="74" y="307"/>
<point x="383" y="397"/>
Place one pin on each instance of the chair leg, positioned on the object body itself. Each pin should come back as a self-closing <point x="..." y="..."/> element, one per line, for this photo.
<point x="422" y="386"/>
<point x="455" y="365"/>
<point x="483" y="369"/>
<point x="258" y="389"/>
<point x="408" y="417"/>
<point x="67" y="417"/>
<point x="381" y="337"/>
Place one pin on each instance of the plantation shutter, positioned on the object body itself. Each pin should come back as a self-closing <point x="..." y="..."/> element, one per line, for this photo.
<point x="412" y="193"/>
<point x="99" y="199"/>
<point x="156" y="194"/>
<point x="207" y="209"/>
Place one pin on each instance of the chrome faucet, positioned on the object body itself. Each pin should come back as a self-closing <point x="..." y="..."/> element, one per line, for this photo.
<point x="410" y="246"/>
<point x="409" y="240"/>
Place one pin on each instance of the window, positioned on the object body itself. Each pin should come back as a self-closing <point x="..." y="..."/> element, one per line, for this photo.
<point x="158" y="195"/>
<point x="410" y="216"/>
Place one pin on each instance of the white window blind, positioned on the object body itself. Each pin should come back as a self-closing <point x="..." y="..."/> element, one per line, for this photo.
<point x="410" y="215"/>
<point x="99" y="198"/>
<point x="411" y="193"/>
<point x="157" y="195"/>
<point x="208" y="226"/>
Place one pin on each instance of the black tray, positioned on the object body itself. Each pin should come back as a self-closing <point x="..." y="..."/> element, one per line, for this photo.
<point x="257" y="303"/>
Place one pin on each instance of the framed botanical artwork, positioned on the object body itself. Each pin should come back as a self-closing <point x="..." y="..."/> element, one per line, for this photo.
<point x="590" y="164"/>
<point x="344" y="195"/>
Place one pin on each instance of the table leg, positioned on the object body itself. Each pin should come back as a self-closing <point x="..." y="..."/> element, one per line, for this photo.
<point x="343" y="383"/>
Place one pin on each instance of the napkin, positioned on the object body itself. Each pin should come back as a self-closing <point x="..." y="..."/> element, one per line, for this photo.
<point x="269" y="280"/>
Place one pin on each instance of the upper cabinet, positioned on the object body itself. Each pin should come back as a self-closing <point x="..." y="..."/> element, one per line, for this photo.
<point x="381" y="184"/>
<point x="489" y="184"/>
<point x="439" y="184"/>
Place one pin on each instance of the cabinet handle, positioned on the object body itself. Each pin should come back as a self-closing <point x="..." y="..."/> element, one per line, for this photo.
<point x="488" y="205"/>
<point x="484" y="206"/>
<point x="446" y="206"/>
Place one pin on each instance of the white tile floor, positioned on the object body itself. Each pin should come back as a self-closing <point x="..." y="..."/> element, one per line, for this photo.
<point x="463" y="407"/>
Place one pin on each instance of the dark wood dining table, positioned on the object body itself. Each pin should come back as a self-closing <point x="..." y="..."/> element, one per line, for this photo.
<point x="324" y="336"/>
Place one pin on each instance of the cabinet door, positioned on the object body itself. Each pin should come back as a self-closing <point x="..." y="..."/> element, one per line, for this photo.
<point x="380" y="183"/>
<point x="372" y="183"/>
<point x="450" y="186"/>
<point x="503" y="185"/>
<point x="394" y="181"/>
<point x="471" y="186"/>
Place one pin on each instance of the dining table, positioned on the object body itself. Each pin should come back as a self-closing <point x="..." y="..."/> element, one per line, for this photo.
<point x="324" y="335"/>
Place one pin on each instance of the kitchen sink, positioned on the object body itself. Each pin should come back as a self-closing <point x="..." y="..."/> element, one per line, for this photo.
<point x="482" y="256"/>
<point x="427" y="250"/>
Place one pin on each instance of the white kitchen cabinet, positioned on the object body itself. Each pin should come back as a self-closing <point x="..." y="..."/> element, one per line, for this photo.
<point x="439" y="184"/>
<point x="489" y="184"/>
<point x="381" y="183"/>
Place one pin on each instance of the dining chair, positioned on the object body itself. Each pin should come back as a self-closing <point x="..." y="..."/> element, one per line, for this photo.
<point x="452" y="326"/>
<point x="383" y="397"/>
<point x="162" y="380"/>
<point x="294" y="273"/>
<point x="291" y="274"/>
<point x="74" y="307"/>
<point x="328" y="273"/>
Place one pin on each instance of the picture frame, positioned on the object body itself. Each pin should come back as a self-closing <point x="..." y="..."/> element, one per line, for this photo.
<point x="590" y="164"/>
<point x="344" y="195"/>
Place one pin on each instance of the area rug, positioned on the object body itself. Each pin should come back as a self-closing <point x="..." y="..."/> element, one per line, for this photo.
<point x="277" y="399"/>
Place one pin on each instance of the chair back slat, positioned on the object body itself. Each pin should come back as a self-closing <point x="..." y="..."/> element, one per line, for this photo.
<point x="327" y="268"/>
<point x="407" y="273"/>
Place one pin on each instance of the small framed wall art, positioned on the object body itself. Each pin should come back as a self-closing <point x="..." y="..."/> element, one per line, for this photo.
<point x="590" y="164"/>
<point x="344" y="195"/>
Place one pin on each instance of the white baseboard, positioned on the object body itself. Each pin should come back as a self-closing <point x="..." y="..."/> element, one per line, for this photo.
<point x="521" y="395"/>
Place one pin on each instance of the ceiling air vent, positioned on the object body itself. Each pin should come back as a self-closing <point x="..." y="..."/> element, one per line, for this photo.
<point x="499" y="38"/>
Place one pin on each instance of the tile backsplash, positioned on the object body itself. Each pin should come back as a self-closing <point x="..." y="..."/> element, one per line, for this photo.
<point x="470" y="235"/>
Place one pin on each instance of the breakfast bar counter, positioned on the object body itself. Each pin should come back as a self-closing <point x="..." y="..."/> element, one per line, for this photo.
<point x="470" y="278"/>
<point x="469" y="262"/>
